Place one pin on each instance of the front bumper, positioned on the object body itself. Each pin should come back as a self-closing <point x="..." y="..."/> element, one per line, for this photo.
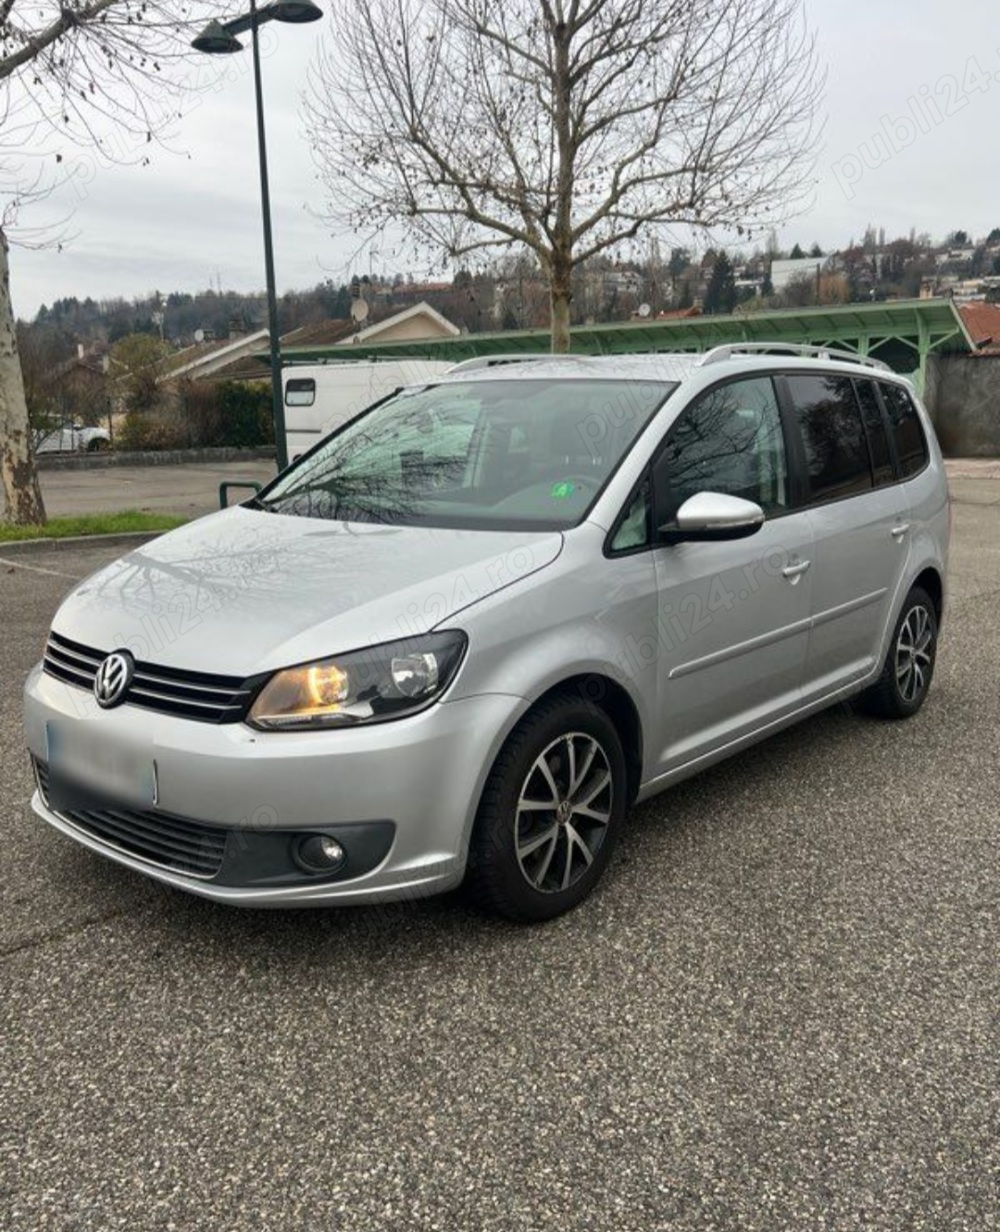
<point x="421" y="777"/>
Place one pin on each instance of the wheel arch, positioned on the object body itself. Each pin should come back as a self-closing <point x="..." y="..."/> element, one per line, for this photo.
<point x="604" y="694"/>
<point x="930" y="580"/>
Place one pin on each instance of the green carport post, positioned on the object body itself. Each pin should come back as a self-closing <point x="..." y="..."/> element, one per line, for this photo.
<point x="924" y="351"/>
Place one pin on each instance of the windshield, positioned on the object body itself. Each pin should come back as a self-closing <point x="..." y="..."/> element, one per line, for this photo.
<point x="490" y="454"/>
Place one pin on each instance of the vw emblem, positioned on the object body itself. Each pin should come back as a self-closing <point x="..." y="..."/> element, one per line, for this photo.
<point x="113" y="679"/>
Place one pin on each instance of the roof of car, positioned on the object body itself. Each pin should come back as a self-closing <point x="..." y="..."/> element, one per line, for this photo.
<point x="670" y="367"/>
<point x="662" y="367"/>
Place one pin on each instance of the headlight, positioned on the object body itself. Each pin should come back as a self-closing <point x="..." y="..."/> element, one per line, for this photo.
<point x="365" y="686"/>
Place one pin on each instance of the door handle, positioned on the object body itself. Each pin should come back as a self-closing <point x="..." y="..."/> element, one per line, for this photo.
<point x="899" y="531"/>
<point x="794" y="572"/>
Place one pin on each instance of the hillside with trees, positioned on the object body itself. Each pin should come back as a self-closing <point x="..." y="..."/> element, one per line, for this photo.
<point x="510" y="293"/>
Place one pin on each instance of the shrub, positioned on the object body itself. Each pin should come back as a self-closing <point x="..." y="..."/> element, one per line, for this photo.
<point x="151" y="430"/>
<point x="231" y="414"/>
<point x="201" y="415"/>
<point x="246" y="414"/>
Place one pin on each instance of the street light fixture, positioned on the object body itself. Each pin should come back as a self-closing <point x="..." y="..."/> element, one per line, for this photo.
<point x="219" y="38"/>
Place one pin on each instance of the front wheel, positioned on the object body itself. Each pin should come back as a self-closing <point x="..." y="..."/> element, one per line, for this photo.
<point x="906" y="676"/>
<point x="550" y="813"/>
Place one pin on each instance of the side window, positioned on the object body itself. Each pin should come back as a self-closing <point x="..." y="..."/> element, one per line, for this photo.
<point x="730" y="441"/>
<point x="878" y="438"/>
<point x="904" y="422"/>
<point x="833" y="436"/>
<point x="300" y="391"/>
<point x="634" y="528"/>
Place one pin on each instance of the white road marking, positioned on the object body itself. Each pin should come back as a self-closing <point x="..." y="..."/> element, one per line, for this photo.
<point x="16" y="564"/>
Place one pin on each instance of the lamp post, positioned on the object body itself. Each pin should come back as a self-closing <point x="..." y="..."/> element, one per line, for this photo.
<point x="219" y="38"/>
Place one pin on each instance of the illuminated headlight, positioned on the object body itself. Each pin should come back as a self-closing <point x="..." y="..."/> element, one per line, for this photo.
<point x="364" y="686"/>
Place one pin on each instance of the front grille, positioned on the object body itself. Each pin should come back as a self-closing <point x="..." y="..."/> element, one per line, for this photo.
<point x="171" y="842"/>
<point x="191" y="695"/>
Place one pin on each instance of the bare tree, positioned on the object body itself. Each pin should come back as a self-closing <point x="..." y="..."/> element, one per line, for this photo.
<point x="74" y="74"/>
<point x="566" y="127"/>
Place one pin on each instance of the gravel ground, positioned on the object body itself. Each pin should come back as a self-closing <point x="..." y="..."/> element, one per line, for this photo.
<point x="779" y="1012"/>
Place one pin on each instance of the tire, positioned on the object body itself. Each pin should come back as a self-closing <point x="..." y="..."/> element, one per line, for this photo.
<point x="531" y="864"/>
<point x="98" y="445"/>
<point x="908" y="669"/>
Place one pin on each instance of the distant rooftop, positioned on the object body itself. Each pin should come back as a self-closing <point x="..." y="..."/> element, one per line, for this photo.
<point x="983" y="324"/>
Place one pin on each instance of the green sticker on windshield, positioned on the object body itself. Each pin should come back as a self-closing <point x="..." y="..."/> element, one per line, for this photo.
<point x="563" y="491"/>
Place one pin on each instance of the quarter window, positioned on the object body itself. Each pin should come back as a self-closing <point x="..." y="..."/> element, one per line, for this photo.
<point x="878" y="438"/>
<point x="904" y="422"/>
<point x="729" y="441"/>
<point x="634" y="527"/>
<point x="833" y="436"/>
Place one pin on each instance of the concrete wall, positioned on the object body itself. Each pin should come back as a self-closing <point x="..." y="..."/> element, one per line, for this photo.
<point x="963" y="397"/>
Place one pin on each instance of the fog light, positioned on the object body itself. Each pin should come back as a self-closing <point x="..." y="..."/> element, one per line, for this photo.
<point x="319" y="853"/>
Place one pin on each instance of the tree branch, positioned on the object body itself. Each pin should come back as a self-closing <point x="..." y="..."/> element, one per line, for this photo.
<point x="68" y="20"/>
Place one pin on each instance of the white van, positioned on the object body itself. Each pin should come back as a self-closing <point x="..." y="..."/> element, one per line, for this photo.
<point x="321" y="397"/>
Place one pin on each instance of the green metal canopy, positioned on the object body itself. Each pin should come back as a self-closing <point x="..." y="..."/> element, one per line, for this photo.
<point x="903" y="333"/>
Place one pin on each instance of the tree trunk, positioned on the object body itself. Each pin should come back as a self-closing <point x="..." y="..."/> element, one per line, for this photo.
<point x="560" y="298"/>
<point x="560" y="322"/>
<point x="20" y="495"/>
<point x="561" y="263"/>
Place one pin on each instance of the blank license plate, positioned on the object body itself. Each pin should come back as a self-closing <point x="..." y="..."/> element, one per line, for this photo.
<point x="85" y="769"/>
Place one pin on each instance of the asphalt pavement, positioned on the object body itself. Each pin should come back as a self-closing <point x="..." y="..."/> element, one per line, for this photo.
<point x="186" y="489"/>
<point x="779" y="1012"/>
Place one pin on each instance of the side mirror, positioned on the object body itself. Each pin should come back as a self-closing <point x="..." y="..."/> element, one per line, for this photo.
<point x="711" y="517"/>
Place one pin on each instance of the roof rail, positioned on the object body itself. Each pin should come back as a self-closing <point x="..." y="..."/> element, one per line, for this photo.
<point x="491" y="361"/>
<point x="720" y="354"/>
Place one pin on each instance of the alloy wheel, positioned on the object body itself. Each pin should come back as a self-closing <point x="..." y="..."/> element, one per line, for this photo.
<point x="914" y="648"/>
<point x="563" y="812"/>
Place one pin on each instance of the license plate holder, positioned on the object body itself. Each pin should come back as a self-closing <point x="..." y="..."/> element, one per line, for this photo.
<point x="88" y="772"/>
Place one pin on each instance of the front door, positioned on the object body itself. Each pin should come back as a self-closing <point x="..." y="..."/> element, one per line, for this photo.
<point x="733" y="616"/>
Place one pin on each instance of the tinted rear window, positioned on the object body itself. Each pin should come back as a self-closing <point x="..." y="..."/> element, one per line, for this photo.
<point x="911" y="444"/>
<point x="833" y="436"/>
<point x="878" y="438"/>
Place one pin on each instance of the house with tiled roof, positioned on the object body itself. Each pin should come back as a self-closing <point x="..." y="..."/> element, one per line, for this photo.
<point x="982" y="320"/>
<point x="206" y="359"/>
<point x="246" y="358"/>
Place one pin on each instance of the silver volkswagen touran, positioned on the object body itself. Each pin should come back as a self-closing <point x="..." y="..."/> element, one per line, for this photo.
<point x="458" y="639"/>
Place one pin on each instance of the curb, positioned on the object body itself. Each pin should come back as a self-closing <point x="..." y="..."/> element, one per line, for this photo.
<point x="163" y="457"/>
<point x="134" y="537"/>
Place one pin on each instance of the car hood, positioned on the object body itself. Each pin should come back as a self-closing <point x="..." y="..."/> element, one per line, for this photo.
<point x="243" y="591"/>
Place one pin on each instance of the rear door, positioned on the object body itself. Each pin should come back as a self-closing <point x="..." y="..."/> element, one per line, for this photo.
<point x="733" y="616"/>
<point x="860" y="523"/>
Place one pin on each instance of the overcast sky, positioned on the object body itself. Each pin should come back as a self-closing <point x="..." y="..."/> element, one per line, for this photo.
<point x="925" y="75"/>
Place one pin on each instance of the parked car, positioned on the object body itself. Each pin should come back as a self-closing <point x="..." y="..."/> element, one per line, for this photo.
<point x="72" y="438"/>
<point x="463" y="634"/>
